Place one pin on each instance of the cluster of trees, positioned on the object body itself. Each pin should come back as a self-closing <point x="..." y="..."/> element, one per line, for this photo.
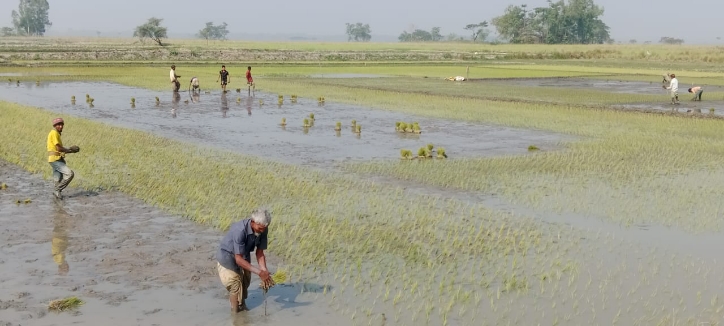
<point x="479" y="33"/>
<point x="30" y="19"/>
<point x="561" y="22"/>
<point x="671" y="40"/>
<point x="212" y="32"/>
<point x="359" y="32"/>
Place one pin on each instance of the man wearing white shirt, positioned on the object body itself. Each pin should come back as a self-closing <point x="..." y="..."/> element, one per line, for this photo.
<point x="674" y="88"/>
<point x="174" y="79"/>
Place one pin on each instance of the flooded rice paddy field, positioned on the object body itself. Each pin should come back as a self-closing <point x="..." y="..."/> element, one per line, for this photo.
<point x="241" y="123"/>
<point x="126" y="259"/>
<point x="634" y="87"/>
<point x="132" y="264"/>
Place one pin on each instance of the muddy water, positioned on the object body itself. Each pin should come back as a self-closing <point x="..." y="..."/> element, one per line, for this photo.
<point x="131" y="263"/>
<point x="613" y="86"/>
<point x="240" y="123"/>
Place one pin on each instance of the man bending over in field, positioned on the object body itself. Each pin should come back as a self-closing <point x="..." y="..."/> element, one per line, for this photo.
<point x="195" y="84"/>
<point x="234" y="257"/>
<point x="697" y="90"/>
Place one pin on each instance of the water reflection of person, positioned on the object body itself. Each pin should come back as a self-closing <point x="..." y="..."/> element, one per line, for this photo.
<point x="195" y="97"/>
<point x="224" y="104"/>
<point x="59" y="243"/>
<point x="175" y="102"/>
<point x="248" y="104"/>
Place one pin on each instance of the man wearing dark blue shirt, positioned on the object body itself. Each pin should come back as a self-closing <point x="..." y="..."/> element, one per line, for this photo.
<point x="234" y="257"/>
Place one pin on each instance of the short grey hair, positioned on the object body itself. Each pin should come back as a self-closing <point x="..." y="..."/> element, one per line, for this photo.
<point x="261" y="216"/>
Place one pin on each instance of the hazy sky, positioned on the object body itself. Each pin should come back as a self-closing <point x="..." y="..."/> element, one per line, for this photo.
<point x="694" y="21"/>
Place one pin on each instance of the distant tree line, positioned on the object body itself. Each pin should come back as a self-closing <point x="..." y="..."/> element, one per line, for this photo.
<point x="671" y="40"/>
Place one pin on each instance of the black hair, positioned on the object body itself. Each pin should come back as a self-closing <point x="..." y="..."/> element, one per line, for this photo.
<point x="689" y="90"/>
<point x="222" y="66"/>
<point x="249" y="67"/>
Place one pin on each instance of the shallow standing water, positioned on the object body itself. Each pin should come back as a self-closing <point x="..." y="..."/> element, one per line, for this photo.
<point x="238" y="122"/>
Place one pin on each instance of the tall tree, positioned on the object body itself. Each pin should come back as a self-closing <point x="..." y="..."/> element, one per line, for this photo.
<point x="151" y="29"/>
<point x="478" y="31"/>
<point x="31" y="18"/>
<point x="213" y="32"/>
<point x="358" y="32"/>
<point x="435" y="33"/>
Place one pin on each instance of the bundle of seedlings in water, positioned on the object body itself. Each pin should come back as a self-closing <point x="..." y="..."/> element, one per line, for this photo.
<point x="401" y="127"/>
<point x="430" y="147"/>
<point x="320" y="99"/>
<point x="338" y="127"/>
<point x="533" y="148"/>
<point x="416" y="128"/>
<point x="261" y="102"/>
<point x="406" y="154"/>
<point x="158" y="100"/>
<point x="358" y="129"/>
<point x="306" y="123"/>
<point x="87" y="98"/>
<point x="284" y="122"/>
<point x="37" y="83"/>
<point x="277" y="278"/>
<point x="311" y="116"/>
<point x="3" y="186"/>
<point x="65" y="304"/>
<point x="441" y="153"/>
<point x="408" y="127"/>
<point x="90" y="101"/>
<point x="238" y="90"/>
<point x="354" y="123"/>
<point x="711" y="111"/>
<point x="397" y="126"/>
<point x="133" y="100"/>
<point x="422" y="152"/>
<point x="294" y="98"/>
<point x="238" y="100"/>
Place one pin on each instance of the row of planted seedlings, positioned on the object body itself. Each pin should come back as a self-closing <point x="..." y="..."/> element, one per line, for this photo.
<point x="308" y="122"/>
<point x="456" y="262"/>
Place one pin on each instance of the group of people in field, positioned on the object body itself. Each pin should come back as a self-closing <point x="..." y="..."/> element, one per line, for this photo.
<point x="673" y="88"/>
<point x="224" y="78"/>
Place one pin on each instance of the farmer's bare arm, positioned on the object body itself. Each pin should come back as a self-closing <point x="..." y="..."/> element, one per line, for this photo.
<point x="62" y="149"/>
<point x="263" y="274"/>
<point x="261" y="259"/>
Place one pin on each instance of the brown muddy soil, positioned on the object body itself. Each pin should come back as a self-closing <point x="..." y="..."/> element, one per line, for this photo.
<point x="131" y="263"/>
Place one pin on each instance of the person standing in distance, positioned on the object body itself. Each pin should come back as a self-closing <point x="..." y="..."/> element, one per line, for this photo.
<point x="224" y="76"/>
<point x="174" y="79"/>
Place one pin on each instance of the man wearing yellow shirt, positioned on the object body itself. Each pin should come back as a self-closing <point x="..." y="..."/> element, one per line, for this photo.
<point x="62" y="174"/>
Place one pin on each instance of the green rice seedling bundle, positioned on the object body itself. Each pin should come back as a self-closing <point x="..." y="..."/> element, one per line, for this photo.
<point x="284" y="122"/>
<point x="441" y="153"/>
<point x="65" y="304"/>
<point x="358" y="129"/>
<point x="338" y="126"/>
<point x="311" y="116"/>
<point x="306" y="123"/>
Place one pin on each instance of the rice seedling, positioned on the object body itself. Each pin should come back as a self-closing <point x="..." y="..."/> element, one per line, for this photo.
<point x="533" y="148"/>
<point x="261" y="102"/>
<point x="311" y="116"/>
<point x="338" y="126"/>
<point x="3" y="186"/>
<point x="66" y="304"/>
<point x="238" y="100"/>
<point x="354" y="123"/>
<point x="441" y="153"/>
<point x="430" y="147"/>
<point x="238" y="90"/>
<point x="133" y="100"/>
<point x="306" y="123"/>
<point x="284" y="122"/>
<point x="72" y="98"/>
<point x="358" y="129"/>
